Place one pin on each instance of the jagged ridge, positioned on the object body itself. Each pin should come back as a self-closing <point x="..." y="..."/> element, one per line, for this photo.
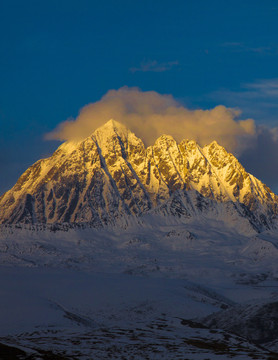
<point x="110" y="175"/>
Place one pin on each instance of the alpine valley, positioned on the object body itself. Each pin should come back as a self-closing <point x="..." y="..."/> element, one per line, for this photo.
<point x="111" y="250"/>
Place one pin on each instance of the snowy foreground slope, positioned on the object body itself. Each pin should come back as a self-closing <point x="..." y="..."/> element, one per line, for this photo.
<point x="151" y="291"/>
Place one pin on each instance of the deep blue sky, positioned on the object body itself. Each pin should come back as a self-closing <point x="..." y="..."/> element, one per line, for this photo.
<point x="57" y="56"/>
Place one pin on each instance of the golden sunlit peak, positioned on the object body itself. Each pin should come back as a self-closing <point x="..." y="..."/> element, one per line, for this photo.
<point x="111" y="127"/>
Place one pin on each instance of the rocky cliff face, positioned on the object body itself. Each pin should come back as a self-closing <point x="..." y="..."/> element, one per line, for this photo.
<point x="111" y="175"/>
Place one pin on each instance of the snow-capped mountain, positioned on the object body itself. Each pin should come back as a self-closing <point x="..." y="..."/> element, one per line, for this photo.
<point x="110" y="176"/>
<point x="189" y="271"/>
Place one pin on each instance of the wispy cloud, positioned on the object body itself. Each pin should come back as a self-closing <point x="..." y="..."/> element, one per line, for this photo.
<point x="242" y="47"/>
<point x="154" y="66"/>
<point x="258" y="99"/>
<point x="263" y="88"/>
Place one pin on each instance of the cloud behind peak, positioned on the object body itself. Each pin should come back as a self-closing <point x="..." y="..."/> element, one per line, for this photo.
<point x="150" y="114"/>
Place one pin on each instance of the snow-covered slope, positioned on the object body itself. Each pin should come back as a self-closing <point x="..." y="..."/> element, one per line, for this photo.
<point x="110" y="176"/>
<point x="155" y="290"/>
<point x="69" y="315"/>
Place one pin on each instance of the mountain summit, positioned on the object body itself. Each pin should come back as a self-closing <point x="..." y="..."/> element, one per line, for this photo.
<point x="111" y="176"/>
